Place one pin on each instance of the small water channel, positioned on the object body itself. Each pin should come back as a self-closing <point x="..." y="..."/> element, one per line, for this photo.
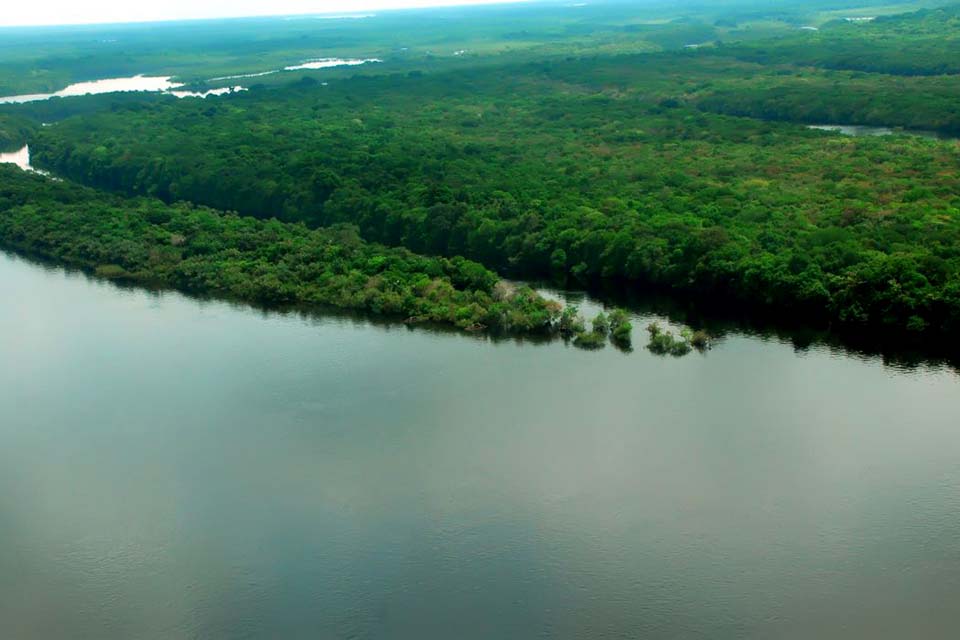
<point x="858" y="131"/>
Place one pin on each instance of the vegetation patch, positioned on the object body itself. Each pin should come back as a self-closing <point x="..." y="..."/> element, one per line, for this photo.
<point x="266" y="262"/>
<point x="663" y="342"/>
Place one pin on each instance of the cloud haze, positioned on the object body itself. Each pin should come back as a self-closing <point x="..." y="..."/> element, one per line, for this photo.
<point x="49" y="12"/>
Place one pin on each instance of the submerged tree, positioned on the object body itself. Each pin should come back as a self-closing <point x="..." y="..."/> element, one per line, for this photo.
<point x="621" y="331"/>
<point x="571" y="322"/>
<point x="601" y="324"/>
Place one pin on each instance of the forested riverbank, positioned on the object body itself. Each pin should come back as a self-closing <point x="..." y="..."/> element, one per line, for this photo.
<point x="662" y="171"/>
<point x="571" y="184"/>
<point x="200" y="250"/>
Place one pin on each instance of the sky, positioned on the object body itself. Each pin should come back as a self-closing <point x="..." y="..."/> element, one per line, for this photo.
<point x="51" y="12"/>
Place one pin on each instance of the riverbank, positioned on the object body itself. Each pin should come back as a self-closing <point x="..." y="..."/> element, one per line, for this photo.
<point x="271" y="265"/>
<point x="196" y="249"/>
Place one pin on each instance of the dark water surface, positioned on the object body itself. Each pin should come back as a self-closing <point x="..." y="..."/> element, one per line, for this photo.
<point x="171" y="468"/>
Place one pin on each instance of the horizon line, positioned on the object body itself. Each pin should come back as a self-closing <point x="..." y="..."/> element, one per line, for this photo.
<point x="354" y="14"/>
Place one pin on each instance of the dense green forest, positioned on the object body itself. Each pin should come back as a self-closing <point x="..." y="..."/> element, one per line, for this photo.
<point x="36" y="60"/>
<point x="204" y="251"/>
<point x="926" y="43"/>
<point x="607" y="150"/>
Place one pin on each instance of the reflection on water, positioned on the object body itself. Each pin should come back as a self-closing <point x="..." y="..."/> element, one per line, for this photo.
<point x="179" y="468"/>
<point x="719" y="319"/>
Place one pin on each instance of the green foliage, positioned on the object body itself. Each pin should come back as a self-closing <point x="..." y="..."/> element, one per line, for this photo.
<point x="590" y="340"/>
<point x="616" y="327"/>
<point x="919" y="103"/>
<point x="622" y="335"/>
<point x="39" y="60"/>
<point x="571" y="322"/>
<point x="861" y="231"/>
<point x="925" y="42"/>
<point x="262" y="261"/>
<point x="14" y="132"/>
<point x="665" y="343"/>
<point x="700" y="340"/>
<point x="621" y="330"/>
<point x="642" y="162"/>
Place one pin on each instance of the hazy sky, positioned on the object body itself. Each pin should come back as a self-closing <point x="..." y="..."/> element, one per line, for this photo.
<point x="35" y="12"/>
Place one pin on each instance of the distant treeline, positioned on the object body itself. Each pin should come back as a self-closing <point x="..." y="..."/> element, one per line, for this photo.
<point x="921" y="43"/>
<point x="913" y="103"/>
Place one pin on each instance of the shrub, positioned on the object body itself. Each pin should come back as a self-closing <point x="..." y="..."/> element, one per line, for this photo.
<point x="601" y="324"/>
<point x="590" y="340"/>
<point x="621" y="331"/>
<point x="665" y="343"/>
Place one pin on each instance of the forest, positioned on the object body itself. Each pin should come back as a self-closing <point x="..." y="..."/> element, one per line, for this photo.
<point x="203" y="251"/>
<point x="45" y="59"/>
<point x="602" y="150"/>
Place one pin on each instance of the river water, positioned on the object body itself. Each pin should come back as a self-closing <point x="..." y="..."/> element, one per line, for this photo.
<point x="165" y="84"/>
<point x="21" y="158"/>
<point x="318" y="63"/>
<point x="176" y="468"/>
<point x="121" y="85"/>
<point x="858" y="131"/>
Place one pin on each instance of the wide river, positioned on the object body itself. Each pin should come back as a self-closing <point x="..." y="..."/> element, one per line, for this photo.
<point x="174" y="468"/>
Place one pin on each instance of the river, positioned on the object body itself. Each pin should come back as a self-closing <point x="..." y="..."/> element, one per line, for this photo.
<point x="858" y="131"/>
<point x="173" y="468"/>
<point x="21" y="158"/>
<point x="165" y="84"/>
